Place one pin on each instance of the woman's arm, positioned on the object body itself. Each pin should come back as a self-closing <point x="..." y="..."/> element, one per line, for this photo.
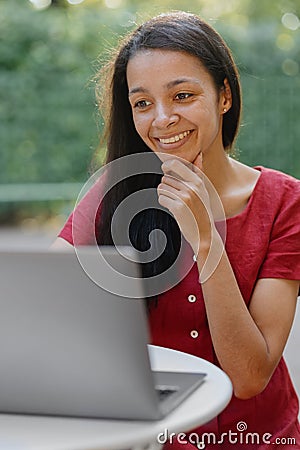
<point x="60" y="243"/>
<point x="247" y="342"/>
<point x="79" y="228"/>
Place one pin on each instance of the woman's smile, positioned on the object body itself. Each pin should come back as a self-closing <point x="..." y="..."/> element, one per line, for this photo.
<point x="174" y="140"/>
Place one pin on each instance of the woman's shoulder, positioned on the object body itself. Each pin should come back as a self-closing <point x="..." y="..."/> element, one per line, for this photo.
<point x="278" y="188"/>
<point x="277" y="179"/>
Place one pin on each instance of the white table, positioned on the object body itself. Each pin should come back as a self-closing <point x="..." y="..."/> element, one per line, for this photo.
<point x="20" y="432"/>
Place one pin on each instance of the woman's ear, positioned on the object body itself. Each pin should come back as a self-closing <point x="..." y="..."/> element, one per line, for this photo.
<point x="225" y="98"/>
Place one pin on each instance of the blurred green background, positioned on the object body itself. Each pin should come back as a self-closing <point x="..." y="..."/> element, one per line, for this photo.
<point x="49" y="124"/>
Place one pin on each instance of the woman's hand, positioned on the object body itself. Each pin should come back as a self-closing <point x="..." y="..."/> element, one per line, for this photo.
<point x="183" y="192"/>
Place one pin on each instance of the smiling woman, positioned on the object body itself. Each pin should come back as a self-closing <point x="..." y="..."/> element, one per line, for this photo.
<point x="173" y="94"/>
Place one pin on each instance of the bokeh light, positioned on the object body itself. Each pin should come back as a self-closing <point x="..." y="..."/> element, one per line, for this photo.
<point x="290" y="67"/>
<point x="75" y="2"/>
<point x="285" y="42"/>
<point x="290" y="21"/>
<point x="41" y="4"/>
<point x="113" y="4"/>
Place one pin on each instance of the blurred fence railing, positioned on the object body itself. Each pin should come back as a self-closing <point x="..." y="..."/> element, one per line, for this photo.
<point x="30" y="192"/>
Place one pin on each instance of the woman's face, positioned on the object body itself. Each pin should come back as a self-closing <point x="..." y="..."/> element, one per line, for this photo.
<point x="175" y="104"/>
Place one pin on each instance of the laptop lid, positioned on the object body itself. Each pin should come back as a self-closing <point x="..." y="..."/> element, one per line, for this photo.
<point x="70" y="347"/>
<point x="66" y="345"/>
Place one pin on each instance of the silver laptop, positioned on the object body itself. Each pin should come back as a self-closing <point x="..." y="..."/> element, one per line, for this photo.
<point x="69" y="347"/>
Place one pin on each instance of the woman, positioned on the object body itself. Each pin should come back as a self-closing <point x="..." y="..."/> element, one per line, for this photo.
<point x="175" y="90"/>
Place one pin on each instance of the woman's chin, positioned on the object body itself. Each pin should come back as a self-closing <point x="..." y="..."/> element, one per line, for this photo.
<point x="164" y="156"/>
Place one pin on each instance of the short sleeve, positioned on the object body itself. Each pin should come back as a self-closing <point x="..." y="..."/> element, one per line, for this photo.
<point x="66" y="232"/>
<point x="283" y="255"/>
<point x="80" y="227"/>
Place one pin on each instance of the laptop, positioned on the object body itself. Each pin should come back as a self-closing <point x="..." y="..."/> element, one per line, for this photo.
<point x="69" y="347"/>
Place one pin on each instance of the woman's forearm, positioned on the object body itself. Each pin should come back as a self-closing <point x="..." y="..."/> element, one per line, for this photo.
<point x="240" y="347"/>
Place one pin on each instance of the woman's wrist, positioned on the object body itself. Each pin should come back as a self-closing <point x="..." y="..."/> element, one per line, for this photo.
<point x="208" y="254"/>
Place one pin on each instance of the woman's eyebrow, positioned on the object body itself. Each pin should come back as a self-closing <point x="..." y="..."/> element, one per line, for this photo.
<point x="181" y="81"/>
<point x="169" y="85"/>
<point x="137" y="90"/>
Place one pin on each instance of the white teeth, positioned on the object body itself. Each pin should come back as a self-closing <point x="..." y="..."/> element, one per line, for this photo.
<point x="176" y="138"/>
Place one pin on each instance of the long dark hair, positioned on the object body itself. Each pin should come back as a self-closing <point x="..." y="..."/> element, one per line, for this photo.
<point x="177" y="31"/>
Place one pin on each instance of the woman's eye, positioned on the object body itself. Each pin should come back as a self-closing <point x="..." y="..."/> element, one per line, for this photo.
<point x="183" y="95"/>
<point x="142" y="104"/>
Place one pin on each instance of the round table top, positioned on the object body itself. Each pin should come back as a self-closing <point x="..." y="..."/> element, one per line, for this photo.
<point x="21" y="432"/>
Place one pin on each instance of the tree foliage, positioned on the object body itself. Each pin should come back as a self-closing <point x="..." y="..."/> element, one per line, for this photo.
<point x="49" y="127"/>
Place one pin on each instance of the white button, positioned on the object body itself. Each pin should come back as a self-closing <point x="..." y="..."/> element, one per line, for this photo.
<point x="192" y="298"/>
<point x="194" y="334"/>
<point x="195" y="258"/>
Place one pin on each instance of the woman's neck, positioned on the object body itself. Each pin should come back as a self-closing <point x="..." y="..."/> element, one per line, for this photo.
<point x="219" y="168"/>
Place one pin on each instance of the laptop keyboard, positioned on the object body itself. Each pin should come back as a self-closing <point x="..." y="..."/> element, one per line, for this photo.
<point x="164" y="393"/>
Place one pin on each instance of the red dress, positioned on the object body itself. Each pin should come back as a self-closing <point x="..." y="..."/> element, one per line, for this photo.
<point x="263" y="241"/>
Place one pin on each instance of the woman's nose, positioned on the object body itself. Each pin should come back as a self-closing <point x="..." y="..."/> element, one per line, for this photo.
<point x="164" y="117"/>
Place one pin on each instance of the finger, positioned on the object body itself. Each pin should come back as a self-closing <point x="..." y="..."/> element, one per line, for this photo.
<point x="181" y="188"/>
<point x="173" y="175"/>
<point x="168" y="191"/>
<point x="184" y="186"/>
<point x="168" y="203"/>
<point x="185" y="190"/>
<point x="173" y="181"/>
<point x="178" y="169"/>
<point x="198" y="161"/>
